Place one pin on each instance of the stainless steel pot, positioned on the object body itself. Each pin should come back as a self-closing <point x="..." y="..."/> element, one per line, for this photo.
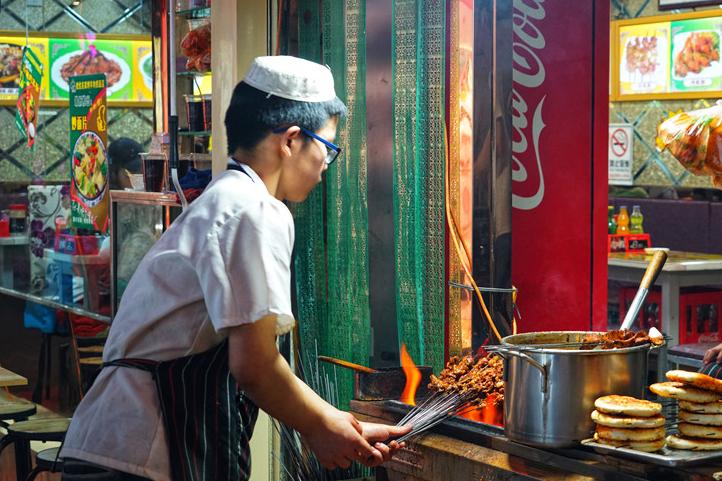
<point x="549" y="393"/>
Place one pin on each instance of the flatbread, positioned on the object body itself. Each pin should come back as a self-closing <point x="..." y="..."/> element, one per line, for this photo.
<point x="693" y="444"/>
<point x="627" y="421"/>
<point x="627" y="406"/>
<point x="646" y="446"/>
<point x="683" y="392"/>
<point x="696" y="379"/>
<point x="698" y="418"/>
<point x="638" y="434"/>
<point x="699" y="431"/>
<point x="707" y="408"/>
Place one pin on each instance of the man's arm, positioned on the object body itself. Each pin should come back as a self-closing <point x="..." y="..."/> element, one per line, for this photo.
<point x="263" y="374"/>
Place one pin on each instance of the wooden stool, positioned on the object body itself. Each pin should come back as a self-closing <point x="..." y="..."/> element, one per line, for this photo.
<point x="21" y="433"/>
<point x="89" y="369"/>
<point x="46" y="461"/>
<point x="15" y="411"/>
<point x="91" y="349"/>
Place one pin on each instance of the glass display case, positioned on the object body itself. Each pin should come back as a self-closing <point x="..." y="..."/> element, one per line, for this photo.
<point x="137" y="221"/>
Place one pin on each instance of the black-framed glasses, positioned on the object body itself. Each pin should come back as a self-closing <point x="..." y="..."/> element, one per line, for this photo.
<point x="332" y="150"/>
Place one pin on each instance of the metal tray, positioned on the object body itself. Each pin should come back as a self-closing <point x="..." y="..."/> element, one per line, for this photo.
<point x="665" y="457"/>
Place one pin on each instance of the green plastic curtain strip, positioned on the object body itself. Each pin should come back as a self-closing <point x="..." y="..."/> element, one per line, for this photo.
<point x="332" y="261"/>
<point x="349" y="328"/>
<point x="419" y="35"/>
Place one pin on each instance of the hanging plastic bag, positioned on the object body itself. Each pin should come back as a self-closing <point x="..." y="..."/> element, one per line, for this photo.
<point x="695" y="140"/>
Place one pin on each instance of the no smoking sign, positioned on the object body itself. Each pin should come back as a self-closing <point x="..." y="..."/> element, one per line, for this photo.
<point x="620" y="154"/>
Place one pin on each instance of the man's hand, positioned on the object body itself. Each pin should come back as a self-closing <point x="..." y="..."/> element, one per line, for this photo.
<point x="337" y="441"/>
<point x="714" y="355"/>
<point x="377" y="434"/>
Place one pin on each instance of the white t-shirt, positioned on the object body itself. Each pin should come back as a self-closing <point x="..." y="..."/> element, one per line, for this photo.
<point x="225" y="261"/>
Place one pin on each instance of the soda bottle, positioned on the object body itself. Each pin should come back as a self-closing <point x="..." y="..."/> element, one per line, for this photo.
<point x="636" y="220"/>
<point x="623" y="220"/>
<point x="611" y="223"/>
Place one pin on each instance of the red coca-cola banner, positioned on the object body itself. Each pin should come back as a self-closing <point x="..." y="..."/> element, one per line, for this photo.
<point x="559" y="178"/>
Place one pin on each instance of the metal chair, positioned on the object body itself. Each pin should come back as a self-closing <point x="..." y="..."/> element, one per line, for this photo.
<point x="21" y="433"/>
<point x="46" y="461"/>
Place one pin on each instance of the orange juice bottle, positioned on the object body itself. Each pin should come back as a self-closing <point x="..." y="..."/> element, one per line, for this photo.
<point x="623" y="221"/>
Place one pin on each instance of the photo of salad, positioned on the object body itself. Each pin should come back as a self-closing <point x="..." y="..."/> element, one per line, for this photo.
<point x="90" y="169"/>
<point x="699" y="51"/>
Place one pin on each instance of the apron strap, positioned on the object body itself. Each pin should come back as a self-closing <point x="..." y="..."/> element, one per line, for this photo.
<point x="233" y="165"/>
<point x="142" y="364"/>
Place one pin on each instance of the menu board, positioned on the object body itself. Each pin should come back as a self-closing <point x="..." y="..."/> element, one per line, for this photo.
<point x="127" y="65"/>
<point x="695" y="55"/>
<point x="674" y="56"/>
<point x="643" y="66"/>
<point x="89" y="161"/>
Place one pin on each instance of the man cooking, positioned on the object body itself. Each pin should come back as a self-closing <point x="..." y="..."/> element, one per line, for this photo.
<point x="192" y="350"/>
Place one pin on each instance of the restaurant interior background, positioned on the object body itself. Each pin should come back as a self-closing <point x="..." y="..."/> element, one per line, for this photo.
<point x="682" y="211"/>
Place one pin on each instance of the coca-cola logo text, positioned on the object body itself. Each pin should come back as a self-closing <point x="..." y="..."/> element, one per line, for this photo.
<point x="528" y="77"/>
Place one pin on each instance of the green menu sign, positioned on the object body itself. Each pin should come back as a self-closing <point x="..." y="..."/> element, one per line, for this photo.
<point x="72" y="57"/>
<point x="695" y="55"/>
<point x="88" y="164"/>
<point x="31" y="76"/>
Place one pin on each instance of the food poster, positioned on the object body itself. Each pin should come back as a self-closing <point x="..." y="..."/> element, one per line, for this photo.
<point x="72" y="57"/>
<point x="142" y="71"/>
<point x="89" y="166"/>
<point x="31" y="77"/>
<point x="11" y="55"/>
<point x="695" y="55"/>
<point x="643" y="55"/>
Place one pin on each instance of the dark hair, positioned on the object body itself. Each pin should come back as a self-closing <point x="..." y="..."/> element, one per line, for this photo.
<point x="253" y="114"/>
<point x="123" y="153"/>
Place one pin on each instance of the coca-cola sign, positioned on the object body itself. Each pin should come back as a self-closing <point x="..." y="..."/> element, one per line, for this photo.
<point x="527" y="104"/>
<point x="559" y="106"/>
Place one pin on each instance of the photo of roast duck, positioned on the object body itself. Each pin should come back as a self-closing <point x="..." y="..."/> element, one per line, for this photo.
<point x="89" y="62"/>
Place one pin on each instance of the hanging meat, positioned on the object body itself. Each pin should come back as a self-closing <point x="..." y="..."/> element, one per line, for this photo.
<point x="196" y="45"/>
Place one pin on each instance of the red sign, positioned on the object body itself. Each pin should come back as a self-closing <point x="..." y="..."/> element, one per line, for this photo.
<point x="559" y="177"/>
<point x="619" y="142"/>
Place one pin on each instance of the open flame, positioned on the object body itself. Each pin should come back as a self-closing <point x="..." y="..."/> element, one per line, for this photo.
<point x="413" y="377"/>
<point x="491" y="412"/>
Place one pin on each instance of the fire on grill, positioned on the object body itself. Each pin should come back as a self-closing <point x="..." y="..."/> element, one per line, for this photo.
<point x="469" y="386"/>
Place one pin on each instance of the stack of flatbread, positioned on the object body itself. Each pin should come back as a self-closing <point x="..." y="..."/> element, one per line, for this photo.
<point x="627" y="422"/>
<point x="700" y="409"/>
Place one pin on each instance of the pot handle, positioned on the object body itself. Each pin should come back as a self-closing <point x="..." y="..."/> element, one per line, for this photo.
<point x="541" y="367"/>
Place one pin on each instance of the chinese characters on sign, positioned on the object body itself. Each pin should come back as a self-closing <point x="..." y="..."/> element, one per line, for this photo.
<point x="88" y="164"/>
<point x="620" y="154"/>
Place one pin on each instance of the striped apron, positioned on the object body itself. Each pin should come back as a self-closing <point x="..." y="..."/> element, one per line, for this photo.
<point x="208" y="421"/>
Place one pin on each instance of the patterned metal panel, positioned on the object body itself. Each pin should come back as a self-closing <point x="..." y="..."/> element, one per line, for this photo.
<point x="48" y="159"/>
<point x="650" y="167"/>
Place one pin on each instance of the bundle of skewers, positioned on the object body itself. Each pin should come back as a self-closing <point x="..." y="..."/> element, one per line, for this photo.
<point x="296" y="458"/>
<point x="464" y="385"/>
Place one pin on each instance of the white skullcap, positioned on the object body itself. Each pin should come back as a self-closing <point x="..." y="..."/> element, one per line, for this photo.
<point x="291" y="78"/>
